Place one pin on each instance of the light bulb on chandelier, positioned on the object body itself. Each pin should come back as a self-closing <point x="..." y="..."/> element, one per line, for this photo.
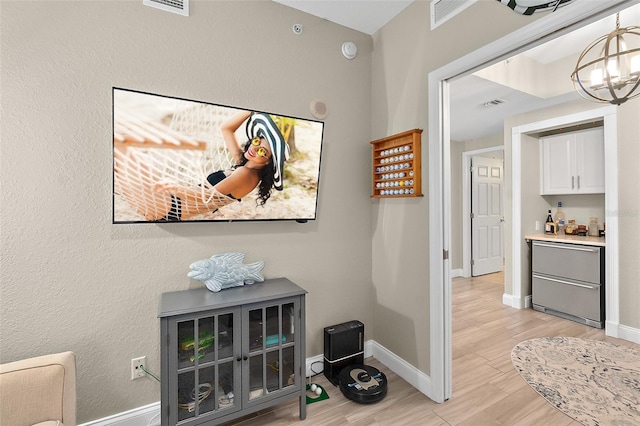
<point x="608" y="70"/>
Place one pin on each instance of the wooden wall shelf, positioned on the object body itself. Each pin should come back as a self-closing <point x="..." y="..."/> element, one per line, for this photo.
<point x="397" y="166"/>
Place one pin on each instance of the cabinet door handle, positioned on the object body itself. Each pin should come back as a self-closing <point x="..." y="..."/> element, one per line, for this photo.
<point x="578" y="182"/>
<point x="573" y="178"/>
<point x="555" y="280"/>
<point x="568" y="247"/>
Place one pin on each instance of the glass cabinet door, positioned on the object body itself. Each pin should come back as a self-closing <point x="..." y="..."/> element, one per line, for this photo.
<point x="206" y="379"/>
<point x="272" y="340"/>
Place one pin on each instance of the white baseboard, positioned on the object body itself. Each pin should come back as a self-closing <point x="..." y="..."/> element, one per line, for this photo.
<point x="150" y="414"/>
<point x="516" y="302"/>
<point x="628" y="333"/>
<point x="402" y="368"/>
<point x="455" y="273"/>
<point x="623" y="332"/>
<point x="509" y="300"/>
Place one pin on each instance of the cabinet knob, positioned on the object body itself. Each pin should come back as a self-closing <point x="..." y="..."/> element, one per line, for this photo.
<point x="244" y="358"/>
<point x="239" y="358"/>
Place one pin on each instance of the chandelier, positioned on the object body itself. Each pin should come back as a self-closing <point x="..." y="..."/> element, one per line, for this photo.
<point x="608" y="70"/>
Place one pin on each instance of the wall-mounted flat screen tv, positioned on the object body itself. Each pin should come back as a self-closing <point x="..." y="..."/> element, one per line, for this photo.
<point x="180" y="160"/>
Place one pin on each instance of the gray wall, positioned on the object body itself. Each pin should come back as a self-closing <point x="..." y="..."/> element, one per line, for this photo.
<point x="629" y="213"/>
<point x="405" y="51"/>
<point x="73" y="281"/>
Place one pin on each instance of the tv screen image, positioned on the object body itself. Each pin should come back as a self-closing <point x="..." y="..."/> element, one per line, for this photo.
<point x="180" y="160"/>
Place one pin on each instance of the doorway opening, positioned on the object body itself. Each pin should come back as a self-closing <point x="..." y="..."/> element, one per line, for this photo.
<point x="554" y="25"/>
<point x="468" y="214"/>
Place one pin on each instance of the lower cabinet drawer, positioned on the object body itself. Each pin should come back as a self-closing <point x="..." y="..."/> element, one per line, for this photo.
<point x="573" y="261"/>
<point x="584" y="300"/>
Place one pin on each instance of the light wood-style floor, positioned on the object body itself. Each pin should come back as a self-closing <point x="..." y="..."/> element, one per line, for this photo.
<point x="486" y="388"/>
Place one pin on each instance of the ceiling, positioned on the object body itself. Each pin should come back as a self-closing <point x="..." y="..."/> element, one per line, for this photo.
<point x="470" y="118"/>
<point x="366" y="16"/>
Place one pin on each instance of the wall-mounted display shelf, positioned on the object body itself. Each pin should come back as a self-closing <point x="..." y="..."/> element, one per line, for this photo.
<point x="396" y="165"/>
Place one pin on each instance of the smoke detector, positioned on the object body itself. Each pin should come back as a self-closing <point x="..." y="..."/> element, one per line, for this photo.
<point x="349" y="49"/>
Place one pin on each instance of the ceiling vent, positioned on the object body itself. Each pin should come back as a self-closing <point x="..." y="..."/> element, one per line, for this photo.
<point x="443" y="10"/>
<point x="493" y="102"/>
<point x="181" y="7"/>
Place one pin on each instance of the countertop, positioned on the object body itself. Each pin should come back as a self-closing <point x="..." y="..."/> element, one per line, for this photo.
<point x="571" y="239"/>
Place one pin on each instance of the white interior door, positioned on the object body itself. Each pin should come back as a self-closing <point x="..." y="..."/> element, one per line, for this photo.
<point x="487" y="215"/>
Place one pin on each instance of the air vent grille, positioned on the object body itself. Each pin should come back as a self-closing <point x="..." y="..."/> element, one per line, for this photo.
<point x="443" y="10"/>
<point x="181" y="7"/>
<point x="493" y="102"/>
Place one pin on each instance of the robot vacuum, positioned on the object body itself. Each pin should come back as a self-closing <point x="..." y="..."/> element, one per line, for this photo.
<point x="362" y="383"/>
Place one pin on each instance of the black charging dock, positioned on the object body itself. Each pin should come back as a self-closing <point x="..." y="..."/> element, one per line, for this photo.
<point x="344" y="364"/>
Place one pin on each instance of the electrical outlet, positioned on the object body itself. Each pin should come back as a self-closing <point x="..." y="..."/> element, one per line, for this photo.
<point x="537" y="225"/>
<point x="137" y="365"/>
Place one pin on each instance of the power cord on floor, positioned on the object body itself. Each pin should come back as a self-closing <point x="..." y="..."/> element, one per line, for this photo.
<point x="151" y="421"/>
<point x="313" y="372"/>
<point x="149" y="374"/>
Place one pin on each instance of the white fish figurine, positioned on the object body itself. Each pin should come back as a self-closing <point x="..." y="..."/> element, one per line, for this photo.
<point x="225" y="270"/>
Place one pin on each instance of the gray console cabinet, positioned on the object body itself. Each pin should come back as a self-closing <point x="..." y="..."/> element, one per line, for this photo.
<point x="568" y="281"/>
<point x="228" y="354"/>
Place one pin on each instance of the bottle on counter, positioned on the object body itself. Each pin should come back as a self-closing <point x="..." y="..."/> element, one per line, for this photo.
<point x="558" y="218"/>
<point x="549" y="225"/>
<point x="594" y="227"/>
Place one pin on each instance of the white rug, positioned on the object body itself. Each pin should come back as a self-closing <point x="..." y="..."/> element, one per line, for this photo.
<point x="595" y="383"/>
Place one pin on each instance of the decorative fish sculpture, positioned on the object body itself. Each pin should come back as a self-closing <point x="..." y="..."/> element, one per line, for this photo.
<point x="226" y="270"/>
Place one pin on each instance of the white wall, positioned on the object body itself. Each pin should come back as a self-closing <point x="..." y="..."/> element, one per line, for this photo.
<point x="73" y="281"/>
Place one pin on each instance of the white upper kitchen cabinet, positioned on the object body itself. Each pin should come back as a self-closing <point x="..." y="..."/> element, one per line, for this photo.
<point x="572" y="163"/>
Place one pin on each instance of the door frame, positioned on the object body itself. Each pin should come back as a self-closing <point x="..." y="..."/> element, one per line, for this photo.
<point x="609" y="116"/>
<point x="555" y="24"/>
<point x="466" y="205"/>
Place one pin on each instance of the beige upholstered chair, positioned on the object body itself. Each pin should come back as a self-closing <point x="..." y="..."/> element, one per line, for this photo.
<point x="39" y="391"/>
